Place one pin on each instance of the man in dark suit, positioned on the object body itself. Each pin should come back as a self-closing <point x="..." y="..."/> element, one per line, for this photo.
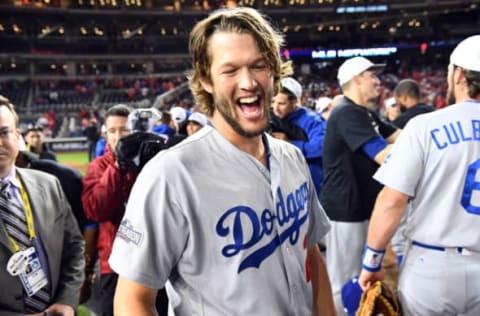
<point x="71" y="183"/>
<point x="57" y="242"/>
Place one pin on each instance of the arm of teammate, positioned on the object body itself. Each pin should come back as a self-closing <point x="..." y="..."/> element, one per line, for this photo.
<point x="377" y="149"/>
<point x="322" y="291"/>
<point x="389" y="208"/>
<point x="393" y="137"/>
<point x="382" y="154"/>
<point x="132" y="298"/>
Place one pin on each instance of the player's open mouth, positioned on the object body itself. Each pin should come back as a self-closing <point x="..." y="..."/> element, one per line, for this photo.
<point x="250" y="106"/>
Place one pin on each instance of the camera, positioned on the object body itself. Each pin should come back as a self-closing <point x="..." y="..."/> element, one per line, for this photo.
<point x="143" y="120"/>
<point x="135" y="150"/>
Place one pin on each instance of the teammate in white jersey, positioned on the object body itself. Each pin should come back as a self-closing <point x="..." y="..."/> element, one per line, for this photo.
<point x="229" y="216"/>
<point x="434" y="166"/>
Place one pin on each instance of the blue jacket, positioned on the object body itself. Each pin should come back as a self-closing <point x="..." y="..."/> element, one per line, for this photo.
<point x="163" y="129"/>
<point x="100" y="147"/>
<point x="312" y="148"/>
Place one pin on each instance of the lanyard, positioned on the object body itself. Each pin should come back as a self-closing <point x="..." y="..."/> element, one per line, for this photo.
<point x="28" y="217"/>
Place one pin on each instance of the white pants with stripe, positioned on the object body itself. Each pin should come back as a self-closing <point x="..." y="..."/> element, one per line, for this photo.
<point x="442" y="283"/>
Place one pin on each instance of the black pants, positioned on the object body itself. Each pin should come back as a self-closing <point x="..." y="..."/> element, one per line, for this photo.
<point x="108" y="283"/>
<point x="92" y="145"/>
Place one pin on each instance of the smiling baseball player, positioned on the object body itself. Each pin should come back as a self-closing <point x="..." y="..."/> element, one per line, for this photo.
<point x="230" y="215"/>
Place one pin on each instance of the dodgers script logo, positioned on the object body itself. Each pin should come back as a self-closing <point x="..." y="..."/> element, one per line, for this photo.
<point x="290" y="212"/>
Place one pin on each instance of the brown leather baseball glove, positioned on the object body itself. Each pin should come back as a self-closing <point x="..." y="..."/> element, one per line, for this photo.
<point x="378" y="300"/>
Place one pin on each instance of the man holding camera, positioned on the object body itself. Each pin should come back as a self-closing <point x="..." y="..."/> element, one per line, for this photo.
<point x="106" y="187"/>
<point x="287" y="107"/>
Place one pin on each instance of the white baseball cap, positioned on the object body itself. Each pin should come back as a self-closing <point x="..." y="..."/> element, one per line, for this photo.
<point x="178" y="114"/>
<point x="355" y="66"/>
<point x="388" y="103"/>
<point x="293" y="86"/>
<point x="322" y="103"/>
<point x="198" y="117"/>
<point x="467" y="54"/>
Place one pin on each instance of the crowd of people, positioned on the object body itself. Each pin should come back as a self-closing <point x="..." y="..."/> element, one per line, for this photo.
<point x="253" y="203"/>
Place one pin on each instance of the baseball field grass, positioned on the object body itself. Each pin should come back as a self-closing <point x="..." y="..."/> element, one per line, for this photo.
<point x="75" y="159"/>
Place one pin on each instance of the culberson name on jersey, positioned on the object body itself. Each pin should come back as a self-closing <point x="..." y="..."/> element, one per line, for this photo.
<point x="456" y="132"/>
<point x="247" y="228"/>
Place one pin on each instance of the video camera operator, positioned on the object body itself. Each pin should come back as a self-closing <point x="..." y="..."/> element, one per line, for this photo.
<point x="136" y="149"/>
<point x="106" y="188"/>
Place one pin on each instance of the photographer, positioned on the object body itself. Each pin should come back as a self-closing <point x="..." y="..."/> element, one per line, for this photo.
<point x="109" y="180"/>
<point x="105" y="192"/>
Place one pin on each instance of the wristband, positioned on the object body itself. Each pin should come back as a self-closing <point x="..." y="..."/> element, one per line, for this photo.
<point x="372" y="259"/>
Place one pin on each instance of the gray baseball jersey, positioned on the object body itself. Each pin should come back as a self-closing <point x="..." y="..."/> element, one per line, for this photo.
<point x="436" y="161"/>
<point x="229" y="234"/>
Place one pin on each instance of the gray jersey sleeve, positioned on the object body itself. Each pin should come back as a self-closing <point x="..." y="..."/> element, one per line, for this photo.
<point x="403" y="166"/>
<point x="150" y="241"/>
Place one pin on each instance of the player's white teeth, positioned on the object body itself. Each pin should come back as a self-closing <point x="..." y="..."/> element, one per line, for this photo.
<point x="248" y="100"/>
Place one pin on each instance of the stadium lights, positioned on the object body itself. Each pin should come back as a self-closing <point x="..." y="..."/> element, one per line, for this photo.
<point x="16" y="29"/>
<point x="129" y="34"/>
<point x="47" y="30"/>
<point x="98" y="31"/>
<point x="137" y="3"/>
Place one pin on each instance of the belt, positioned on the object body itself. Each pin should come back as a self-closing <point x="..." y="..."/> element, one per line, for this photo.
<point x="458" y="250"/>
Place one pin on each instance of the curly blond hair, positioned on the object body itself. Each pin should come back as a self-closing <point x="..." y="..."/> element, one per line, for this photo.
<point x="240" y="21"/>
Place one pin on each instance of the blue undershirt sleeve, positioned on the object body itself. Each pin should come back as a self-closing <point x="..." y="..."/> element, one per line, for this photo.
<point x="374" y="146"/>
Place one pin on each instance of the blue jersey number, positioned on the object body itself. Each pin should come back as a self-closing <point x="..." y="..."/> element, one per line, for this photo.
<point x="471" y="185"/>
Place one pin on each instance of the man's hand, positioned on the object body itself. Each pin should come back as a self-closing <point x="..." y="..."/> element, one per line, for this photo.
<point x="367" y="278"/>
<point x="57" y="309"/>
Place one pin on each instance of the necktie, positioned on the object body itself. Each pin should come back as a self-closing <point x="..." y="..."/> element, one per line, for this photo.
<point x="13" y="217"/>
